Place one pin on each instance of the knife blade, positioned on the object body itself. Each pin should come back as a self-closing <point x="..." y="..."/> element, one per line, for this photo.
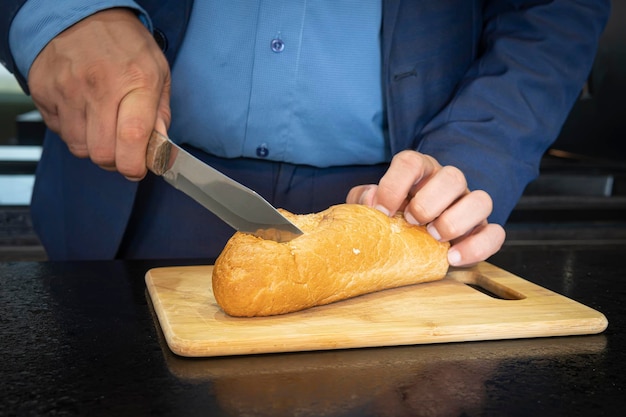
<point x="240" y="207"/>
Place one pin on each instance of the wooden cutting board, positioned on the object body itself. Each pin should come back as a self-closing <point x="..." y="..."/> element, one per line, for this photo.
<point x="479" y="303"/>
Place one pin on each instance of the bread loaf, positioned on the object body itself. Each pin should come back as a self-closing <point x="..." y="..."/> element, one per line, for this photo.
<point x="345" y="251"/>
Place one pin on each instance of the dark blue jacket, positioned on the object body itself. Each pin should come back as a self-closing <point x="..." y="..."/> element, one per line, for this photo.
<point x="482" y="85"/>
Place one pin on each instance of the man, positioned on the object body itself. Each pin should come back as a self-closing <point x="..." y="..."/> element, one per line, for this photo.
<point x="466" y="97"/>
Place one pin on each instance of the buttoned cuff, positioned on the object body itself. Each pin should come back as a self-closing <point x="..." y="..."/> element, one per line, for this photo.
<point x="39" y="21"/>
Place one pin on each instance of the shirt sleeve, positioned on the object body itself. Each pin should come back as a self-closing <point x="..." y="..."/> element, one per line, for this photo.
<point x="512" y="102"/>
<point x="39" y="21"/>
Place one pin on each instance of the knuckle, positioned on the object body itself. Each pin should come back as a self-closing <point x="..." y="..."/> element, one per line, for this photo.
<point x="454" y="176"/>
<point x="482" y="251"/>
<point x="487" y="240"/>
<point x="498" y="235"/>
<point x="133" y="172"/>
<point x="134" y="131"/>
<point x="50" y="119"/>
<point x="484" y="198"/>
<point x="102" y="156"/>
<point x="448" y="228"/>
<point x="141" y="77"/>
<point x="98" y="81"/>
<point x="421" y="213"/>
<point x="101" y="78"/>
<point x="406" y="158"/>
<point x="78" y="150"/>
<point x="94" y="75"/>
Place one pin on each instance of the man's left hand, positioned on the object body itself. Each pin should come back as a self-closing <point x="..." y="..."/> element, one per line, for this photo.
<point x="436" y="196"/>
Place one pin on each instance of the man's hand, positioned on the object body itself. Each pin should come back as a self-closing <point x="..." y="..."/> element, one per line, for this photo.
<point x="103" y="85"/>
<point x="436" y="196"/>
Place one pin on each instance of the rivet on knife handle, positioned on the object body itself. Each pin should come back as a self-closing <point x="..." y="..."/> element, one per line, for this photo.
<point x="158" y="153"/>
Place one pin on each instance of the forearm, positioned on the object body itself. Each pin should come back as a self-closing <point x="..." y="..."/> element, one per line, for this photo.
<point x="513" y="100"/>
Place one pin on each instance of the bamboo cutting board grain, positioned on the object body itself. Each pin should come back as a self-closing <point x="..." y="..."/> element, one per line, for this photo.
<point x="450" y="310"/>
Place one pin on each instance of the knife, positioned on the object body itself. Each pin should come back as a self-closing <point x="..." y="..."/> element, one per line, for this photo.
<point x="240" y="207"/>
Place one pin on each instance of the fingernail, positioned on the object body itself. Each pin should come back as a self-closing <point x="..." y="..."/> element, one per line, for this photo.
<point x="454" y="257"/>
<point x="382" y="210"/>
<point x="433" y="231"/>
<point x="410" y="219"/>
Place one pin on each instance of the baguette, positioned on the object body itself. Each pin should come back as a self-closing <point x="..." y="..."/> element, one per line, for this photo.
<point x="346" y="250"/>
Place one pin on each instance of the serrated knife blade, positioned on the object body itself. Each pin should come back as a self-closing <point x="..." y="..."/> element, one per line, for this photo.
<point x="240" y="207"/>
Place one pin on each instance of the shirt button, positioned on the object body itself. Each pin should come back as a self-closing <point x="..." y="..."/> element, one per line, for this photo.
<point x="277" y="45"/>
<point x="262" y="151"/>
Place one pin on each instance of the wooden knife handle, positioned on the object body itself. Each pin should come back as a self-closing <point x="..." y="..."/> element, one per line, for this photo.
<point x="158" y="153"/>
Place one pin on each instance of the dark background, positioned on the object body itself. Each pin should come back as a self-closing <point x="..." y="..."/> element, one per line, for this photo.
<point x="596" y="126"/>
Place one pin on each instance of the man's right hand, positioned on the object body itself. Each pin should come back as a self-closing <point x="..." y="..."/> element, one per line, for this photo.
<point x="103" y="85"/>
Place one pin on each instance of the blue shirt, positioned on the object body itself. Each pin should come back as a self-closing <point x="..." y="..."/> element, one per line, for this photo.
<point x="284" y="80"/>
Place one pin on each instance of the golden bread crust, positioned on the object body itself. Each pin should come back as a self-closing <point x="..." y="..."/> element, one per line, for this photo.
<point x="345" y="251"/>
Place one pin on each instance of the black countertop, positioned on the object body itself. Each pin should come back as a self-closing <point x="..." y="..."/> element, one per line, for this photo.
<point x="80" y="338"/>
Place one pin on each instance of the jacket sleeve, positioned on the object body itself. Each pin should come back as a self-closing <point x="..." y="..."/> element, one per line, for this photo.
<point x="534" y="57"/>
<point x="11" y="7"/>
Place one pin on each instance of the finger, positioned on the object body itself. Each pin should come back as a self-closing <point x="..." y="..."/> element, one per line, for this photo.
<point x="477" y="246"/>
<point x="61" y="104"/>
<point x="362" y="194"/>
<point x="161" y="127"/>
<point x="136" y="119"/>
<point x="163" y="118"/>
<point x="51" y="120"/>
<point x="164" y="113"/>
<point x="72" y="130"/>
<point x="437" y="194"/>
<point x="100" y="132"/>
<point x="470" y="210"/>
<point x="407" y="169"/>
<point x="68" y="119"/>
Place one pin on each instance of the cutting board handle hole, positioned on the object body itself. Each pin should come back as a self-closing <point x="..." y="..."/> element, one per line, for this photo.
<point x="487" y="292"/>
<point x="485" y="285"/>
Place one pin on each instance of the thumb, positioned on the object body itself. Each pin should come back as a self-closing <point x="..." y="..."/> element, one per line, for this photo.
<point x="160" y="126"/>
<point x="136" y="119"/>
<point x="164" y="113"/>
